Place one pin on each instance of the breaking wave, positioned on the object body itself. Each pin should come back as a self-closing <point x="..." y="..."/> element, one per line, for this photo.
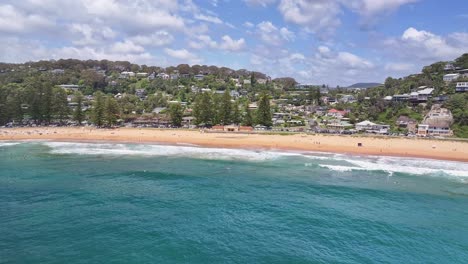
<point x="399" y="165"/>
<point x="335" y="162"/>
<point x="163" y="150"/>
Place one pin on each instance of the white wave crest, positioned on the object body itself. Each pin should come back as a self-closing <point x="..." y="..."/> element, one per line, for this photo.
<point x="6" y="144"/>
<point x="401" y="165"/>
<point x="163" y="150"/>
<point x="336" y="162"/>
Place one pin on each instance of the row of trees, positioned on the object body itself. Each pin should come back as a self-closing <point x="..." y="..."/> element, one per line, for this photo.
<point x="215" y="109"/>
<point x="39" y="102"/>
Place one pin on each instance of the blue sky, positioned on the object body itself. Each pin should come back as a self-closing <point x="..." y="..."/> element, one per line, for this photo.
<point x="335" y="42"/>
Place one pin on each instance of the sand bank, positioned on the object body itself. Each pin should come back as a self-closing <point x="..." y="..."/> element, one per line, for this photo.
<point x="387" y="146"/>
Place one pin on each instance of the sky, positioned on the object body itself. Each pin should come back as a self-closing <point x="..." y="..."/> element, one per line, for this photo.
<point x="334" y="42"/>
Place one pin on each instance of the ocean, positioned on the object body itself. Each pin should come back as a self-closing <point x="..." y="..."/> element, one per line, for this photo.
<point x="127" y="203"/>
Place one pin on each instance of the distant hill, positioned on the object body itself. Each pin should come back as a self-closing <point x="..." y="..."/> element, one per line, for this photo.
<point x="364" y="85"/>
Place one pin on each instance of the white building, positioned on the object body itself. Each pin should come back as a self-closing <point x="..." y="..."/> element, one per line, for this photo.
<point x="451" y="77"/>
<point x="371" y="127"/>
<point x="461" y="87"/>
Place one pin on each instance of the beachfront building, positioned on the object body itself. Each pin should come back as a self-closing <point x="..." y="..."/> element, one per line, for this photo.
<point x="461" y="87"/>
<point x="408" y="123"/>
<point x="451" y="77"/>
<point x="438" y="122"/>
<point x="339" y="125"/>
<point x="371" y="127"/>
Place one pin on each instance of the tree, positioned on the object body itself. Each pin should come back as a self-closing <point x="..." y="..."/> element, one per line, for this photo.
<point x="235" y="116"/>
<point x="60" y="104"/>
<point x="98" y="109"/>
<point x="203" y="109"/>
<point x="263" y="111"/>
<point x="225" y="108"/>
<point x="248" y="119"/>
<point x="111" y="111"/>
<point x="78" y="114"/>
<point x="176" y="112"/>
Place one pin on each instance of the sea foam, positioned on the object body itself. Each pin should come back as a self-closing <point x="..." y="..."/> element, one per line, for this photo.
<point x="392" y="165"/>
<point x="163" y="150"/>
<point x="6" y="144"/>
<point x="335" y="162"/>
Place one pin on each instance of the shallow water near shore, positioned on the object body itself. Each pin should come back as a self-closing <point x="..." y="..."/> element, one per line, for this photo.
<point x="126" y="203"/>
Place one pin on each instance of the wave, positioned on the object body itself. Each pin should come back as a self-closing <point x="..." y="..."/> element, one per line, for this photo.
<point x="331" y="161"/>
<point x="7" y="144"/>
<point x="164" y="150"/>
<point x="392" y="165"/>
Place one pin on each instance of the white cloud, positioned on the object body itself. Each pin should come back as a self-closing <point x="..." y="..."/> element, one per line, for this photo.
<point x="157" y="39"/>
<point x="207" y="18"/>
<point x="20" y="50"/>
<point x="13" y="20"/>
<point x="323" y="15"/>
<point x="126" y="47"/>
<point x="400" y="67"/>
<point x="314" y="15"/>
<point x="369" y="8"/>
<point x="423" y="46"/>
<point x="182" y="55"/>
<point x="263" y="3"/>
<point x="89" y="35"/>
<point x="231" y="44"/>
<point x="272" y="35"/>
<point x="227" y="43"/>
<point x="248" y="24"/>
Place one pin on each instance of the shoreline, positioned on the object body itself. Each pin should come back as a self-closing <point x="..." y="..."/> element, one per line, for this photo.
<point x="344" y="144"/>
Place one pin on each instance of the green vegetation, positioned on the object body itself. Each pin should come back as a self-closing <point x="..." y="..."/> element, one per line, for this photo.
<point x="104" y="95"/>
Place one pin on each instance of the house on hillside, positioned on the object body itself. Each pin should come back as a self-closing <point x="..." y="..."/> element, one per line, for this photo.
<point x="437" y="122"/>
<point x="408" y="123"/>
<point x="421" y="95"/>
<point x="126" y="74"/>
<point x="451" y="77"/>
<point x="199" y="77"/>
<point x="141" y="93"/>
<point x="461" y="87"/>
<point x="163" y="76"/>
<point x="449" y="66"/>
<point x="336" y="113"/>
<point x="401" y="97"/>
<point x="70" y="87"/>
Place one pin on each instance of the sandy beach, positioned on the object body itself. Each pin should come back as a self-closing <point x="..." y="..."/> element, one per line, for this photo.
<point x="386" y="146"/>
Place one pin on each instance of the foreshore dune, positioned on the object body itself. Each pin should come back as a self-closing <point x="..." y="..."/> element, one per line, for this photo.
<point x="386" y="146"/>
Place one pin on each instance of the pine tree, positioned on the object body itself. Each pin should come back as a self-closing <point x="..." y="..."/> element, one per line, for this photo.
<point x="60" y="104"/>
<point x="98" y="109"/>
<point x="206" y="110"/>
<point x="78" y="114"/>
<point x="263" y="111"/>
<point x="111" y="111"/>
<point x="176" y="113"/>
<point x="225" y="107"/>
<point x="248" y="119"/>
<point x="235" y="113"/>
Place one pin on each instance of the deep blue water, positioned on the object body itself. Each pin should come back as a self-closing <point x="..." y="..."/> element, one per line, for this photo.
<point x="104" y="203"/>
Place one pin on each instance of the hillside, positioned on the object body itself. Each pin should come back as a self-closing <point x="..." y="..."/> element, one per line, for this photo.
<point x="364" y="85"/>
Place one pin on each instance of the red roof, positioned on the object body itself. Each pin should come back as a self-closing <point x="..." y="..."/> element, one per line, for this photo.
<point x="334" y="111"/>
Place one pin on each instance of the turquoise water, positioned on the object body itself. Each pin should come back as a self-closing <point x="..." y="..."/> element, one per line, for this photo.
<point x="106" y="203"/>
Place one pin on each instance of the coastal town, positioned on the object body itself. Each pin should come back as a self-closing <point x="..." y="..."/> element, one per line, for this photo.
<point x="113" y="94"/>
